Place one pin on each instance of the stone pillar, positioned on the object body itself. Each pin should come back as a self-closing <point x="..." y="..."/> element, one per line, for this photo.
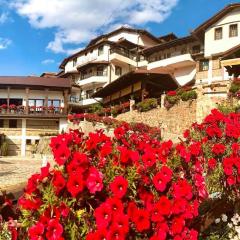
<point x="46" y="100"/>
<point x="8" y="99"/>
<point x="132" y="103"/>
<point x="162" y="100"/>
<point x="23" y="142"/>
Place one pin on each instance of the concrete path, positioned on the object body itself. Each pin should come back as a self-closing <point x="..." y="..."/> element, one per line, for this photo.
<point x="15" y="171"/>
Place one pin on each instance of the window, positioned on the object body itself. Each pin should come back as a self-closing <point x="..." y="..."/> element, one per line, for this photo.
<point x="218" y="33"/>
<point x="118" y="71"/>
<point x="12" y="123"/>
<point x="74" y="62"/>
<point x="89" y="93"/>
<point x="203" y="65"/>
<point x="54" y="102"/>
<point x="29" y="142"/>
<point x="233" y="30"/>
<point x="100" y="50"/>
<point x="36" y="102"/>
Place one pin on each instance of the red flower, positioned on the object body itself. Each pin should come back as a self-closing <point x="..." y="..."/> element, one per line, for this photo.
<point x="58" y="181"/>
<point x="115" y="233"/>
<point x="178" y="224"/>
<point x="54" y="230"/>
<point x="119" y="186"/>
<point x="62" y="154"/>
<point x="218" y="149"/>
<point x="94" y="180"/>
<point x="75" y="184"/>
<point x="212" y="163"/>
<point x="103" y="215"/>
<point x="182" y="189"/>
<point x="160" y="182"/>
<point x="141" y="220"/>
<point x="36" y="232"/>
<point x="120" y="221"/>
<point x="171" y="93"/>
<point x="115" y="204"/>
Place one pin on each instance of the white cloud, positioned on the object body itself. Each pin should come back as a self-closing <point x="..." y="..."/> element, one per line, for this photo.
<point x="4" y="43"/>
<point x="48" y="61"/>
<point x="77" y="21"/>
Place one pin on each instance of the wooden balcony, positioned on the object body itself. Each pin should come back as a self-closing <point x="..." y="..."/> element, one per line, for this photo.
<point x="33" y="112"/>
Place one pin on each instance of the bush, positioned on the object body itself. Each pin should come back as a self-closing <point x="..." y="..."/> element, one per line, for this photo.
<point x="188" y="95"/>
<point x="234" y="88"/>
<point x="147" y="104"/>
<point x="96" y="108"/>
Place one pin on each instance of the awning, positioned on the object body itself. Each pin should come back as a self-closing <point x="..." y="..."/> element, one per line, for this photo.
<point x="230" y="62"/>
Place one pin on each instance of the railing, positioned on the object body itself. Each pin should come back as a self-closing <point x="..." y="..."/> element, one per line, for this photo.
<point x="31" y="110"/>
<point x="175" y="54"/>
<point x="92" y="74"/>
<point x="124" y="52"/>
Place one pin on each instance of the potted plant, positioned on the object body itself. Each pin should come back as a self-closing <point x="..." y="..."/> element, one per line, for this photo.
<point x="51" y="109"/>
<point x="20" y="108"/>
<point x="12" y="108"/>
<point x="3" y="108"/>
<point x="32" y="109"/>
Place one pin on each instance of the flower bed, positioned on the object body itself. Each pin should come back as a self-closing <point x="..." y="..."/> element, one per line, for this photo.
<point x="132" y="186"/>
<point x="184" y="94"/>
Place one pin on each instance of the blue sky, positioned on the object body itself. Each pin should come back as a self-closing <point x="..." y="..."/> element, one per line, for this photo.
<point x="35" y="35"/>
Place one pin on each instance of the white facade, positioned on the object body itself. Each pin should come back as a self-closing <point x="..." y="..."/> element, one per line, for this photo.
<point x="213" y="46"/>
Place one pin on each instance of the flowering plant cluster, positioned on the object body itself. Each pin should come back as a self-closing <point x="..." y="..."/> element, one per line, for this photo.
<point x="147" y="104"/>
<point x="113" y="123"/>
<point x="12" y="107"/>
<point x="117" y="109"/>
<point x="111" y="188"/>
<point x="3" y="106"/>
<point x="184" y="93"/>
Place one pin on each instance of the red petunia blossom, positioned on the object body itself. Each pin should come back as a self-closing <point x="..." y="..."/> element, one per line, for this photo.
<point x="119" y="186"/>
<point x="103" y="215"/>
<point x="231" y="180"/>
<point x="167" y="173"/>
<point x="212" y="163"/>
<point x="106" y="149"/>
<point x="80" y="159"/>
<point x="54" y="230"/>
<point x="218" y="149"/>
<point x="121" y="222"/>
<point x="75" y="184"/>
<point x="62" y="154"/>
<point x="115" y="233"/>
<point x="141" y="220"/>
<point x="171" y="93"/>
<point x="94" y="180"/>
<point x="182" y="189"/>
<point x="115" y="204"/>
<point x="58" y="181"/>
<point x="36" y="232"/>
<point x="195" y="148"/>
<point x="159" y="182"/>
<point x="178" y="224"/>
<point x="149" y="159"/>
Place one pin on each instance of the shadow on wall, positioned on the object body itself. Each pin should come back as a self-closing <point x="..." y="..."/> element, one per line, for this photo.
<point x="9" y="147"/>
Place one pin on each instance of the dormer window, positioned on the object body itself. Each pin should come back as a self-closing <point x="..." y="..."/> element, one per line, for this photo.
<point x="218" y="33"/>
<point x="233" y="30"/>
<point x="100" y="50"/>
<point x="74" y="62"/>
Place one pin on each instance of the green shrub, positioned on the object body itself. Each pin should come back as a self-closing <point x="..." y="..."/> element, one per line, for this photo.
<point x="147" y="104"/>
<point x="4" y="149"/>
<point x="235" y="87"/>
<point x="96" y="108"/>
<point x="188" y="95"/>
<point x="172" y="99"/>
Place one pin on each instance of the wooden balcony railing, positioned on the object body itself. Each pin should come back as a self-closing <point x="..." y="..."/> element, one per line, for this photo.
<point x="31" y="110"/>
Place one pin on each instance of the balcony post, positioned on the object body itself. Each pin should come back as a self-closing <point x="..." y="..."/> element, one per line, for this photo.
<point x="46" y="100"/>
<point x="65" y="101"/>
<point x="27" y="101"/>
<point x="8" y="99"/>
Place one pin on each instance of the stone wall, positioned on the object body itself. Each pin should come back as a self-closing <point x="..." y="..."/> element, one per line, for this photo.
<point x="172" y="122"/>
